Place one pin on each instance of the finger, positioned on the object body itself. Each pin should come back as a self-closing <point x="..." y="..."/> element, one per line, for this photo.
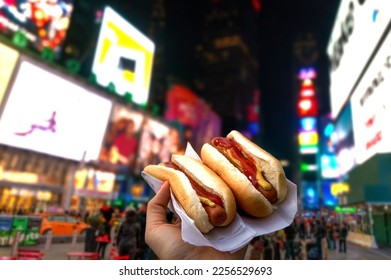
<point x="156" y="209"/>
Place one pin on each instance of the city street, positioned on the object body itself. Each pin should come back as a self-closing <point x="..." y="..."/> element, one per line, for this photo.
<point x="357" y="252"/>
<point x="58" y="251"/>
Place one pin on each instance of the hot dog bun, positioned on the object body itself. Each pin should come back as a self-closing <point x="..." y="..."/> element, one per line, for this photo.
<point x="181" y="186"/>
<point x="248" y="198"/>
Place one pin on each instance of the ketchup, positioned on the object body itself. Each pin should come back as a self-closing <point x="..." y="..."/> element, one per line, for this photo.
<point x="198" y="189"/>
<point x="245" y="165"/>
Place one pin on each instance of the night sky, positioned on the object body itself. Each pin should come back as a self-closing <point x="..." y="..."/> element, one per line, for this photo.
<point x="280" y="21"/>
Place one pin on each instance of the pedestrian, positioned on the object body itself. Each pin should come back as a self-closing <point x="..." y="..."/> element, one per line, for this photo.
<point x="276" y="246"/>
<point x="103" y="237"/>
<point x="290" y="235"/>
<point x="342" y="235"/>
<point x="145" y="252"/>
<point x="267" y="249"/>
<point x="320" y="234"/>
<point x="129" y="235"/>
<point x="331" y="242"/>
<point x="256" y="248"/>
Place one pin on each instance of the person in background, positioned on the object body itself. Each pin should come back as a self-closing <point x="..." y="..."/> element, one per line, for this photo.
<point x="331" y="242"/>
<point x="129" y="235"/>
<point x="290" y="235"/>
<point x="103" y="238"/>
<point x="320" y="234"/>
<point x="145" y="252"/>
<point x="276" y="246"/>
<point x="267" y="248"/>
<point x="342" y="235"/>
<point x="124" y="148"/>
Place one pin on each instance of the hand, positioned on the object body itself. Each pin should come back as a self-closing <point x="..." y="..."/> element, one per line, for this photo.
<point x="166" y="239"/>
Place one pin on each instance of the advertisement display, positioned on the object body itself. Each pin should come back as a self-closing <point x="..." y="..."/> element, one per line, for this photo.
<point x="32" y="231"/>
<point x="183" y="105"/>
<point x="344" y="141"/>
<point x="310" y="195"/>
<point x="329" y="199"/>
<point x="371" y="107"/>
<point x="94" y="183"/>
<point x="123" y="57"/>
<point x="9" y="58"/>
<point x="200" y="122"/>
<point x="5" y="229"/>
<point x="44" y="23"/>
<point x="155" y="144"/>
<point x="60" y="117"/>
<point x="358" y="28"/>
<point x="19" y="224"/>
<point x="121" y="141"/>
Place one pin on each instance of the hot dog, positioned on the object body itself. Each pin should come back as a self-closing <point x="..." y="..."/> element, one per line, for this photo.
<point x="256" y="178"/>
<point x="204" y="196"/>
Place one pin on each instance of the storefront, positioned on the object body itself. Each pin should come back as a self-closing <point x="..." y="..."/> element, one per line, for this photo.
<point x="26" y="199"/>
<point x="92" y="188"/>
<point x="371" y="194"/>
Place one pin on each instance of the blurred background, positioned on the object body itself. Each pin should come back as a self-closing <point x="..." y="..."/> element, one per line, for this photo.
<point x="93" y="91"/>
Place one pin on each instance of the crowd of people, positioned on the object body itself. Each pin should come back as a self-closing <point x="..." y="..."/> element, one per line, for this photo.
<point x="305" y="238"/>
<point x="124" y="231"/>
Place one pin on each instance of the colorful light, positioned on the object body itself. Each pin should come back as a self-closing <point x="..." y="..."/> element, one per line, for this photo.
<point x="308" y="124"/>
<point x="308" y="138"/>
<point x="307" y="150"/>
<point x="305" y="167"/>
<point x="307" y="88"/>
<point x="307" y="107"/>
<point x="307" y="73"/>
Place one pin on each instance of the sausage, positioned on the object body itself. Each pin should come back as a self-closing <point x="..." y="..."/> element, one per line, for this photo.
<point x="232" y="152"/>
<point x="216" y="213"/>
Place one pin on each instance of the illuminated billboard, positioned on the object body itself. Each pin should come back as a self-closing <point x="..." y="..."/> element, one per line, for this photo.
<point x="44" y="23"/>
<point x="8" y="58"/>
<point x="371" y="107"/>
<point x="48" y="113"/>
<point x="123" y="57"/>
<point x="358" y="27"/>
<point x="155" y="144"/>
<point x="121" y="141"/>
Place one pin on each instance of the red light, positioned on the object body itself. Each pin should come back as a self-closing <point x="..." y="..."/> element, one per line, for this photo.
<point x="307" y="88"/>
<point x="257" y="5"/>
<point x="307" y="107"/>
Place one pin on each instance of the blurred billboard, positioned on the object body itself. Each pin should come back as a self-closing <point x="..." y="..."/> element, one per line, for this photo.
<point x="358" y="29"/>
<point x="43" y="22"/>
<point x="9" y="58"/>
<point x="123" y="57"/>
<point x="371" y="106"/>
<point x="155" y="144"/>
<point x="48" y="113"/>
<point x="200" y="122"/>
<point x="121" y="141"/>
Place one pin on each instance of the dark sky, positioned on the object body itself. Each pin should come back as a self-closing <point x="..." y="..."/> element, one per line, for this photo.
<point x="280" y="21"/>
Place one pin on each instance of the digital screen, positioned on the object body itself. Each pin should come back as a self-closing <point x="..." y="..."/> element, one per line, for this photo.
<point x="310" y="195"/>
<point x="9" y="58"/>
<point x="43" y="22"/>
<point x="121" y="141"/>
<point x="155" y="144"/>
<point x="53" y="115"/>
<point x="358" y="28"/>
<point x="123" y="57"/>
<point x="371" y="103"/>
<point x="329" y="199"/>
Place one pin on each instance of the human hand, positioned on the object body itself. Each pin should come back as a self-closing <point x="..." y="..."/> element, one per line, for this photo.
<point x="166" y="240"/>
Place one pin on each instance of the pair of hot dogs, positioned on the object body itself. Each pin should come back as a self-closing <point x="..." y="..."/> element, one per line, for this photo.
<point x="234" y="172"/>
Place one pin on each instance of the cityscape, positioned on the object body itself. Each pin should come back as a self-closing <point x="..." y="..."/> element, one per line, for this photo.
<point x="92" y="92"/>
